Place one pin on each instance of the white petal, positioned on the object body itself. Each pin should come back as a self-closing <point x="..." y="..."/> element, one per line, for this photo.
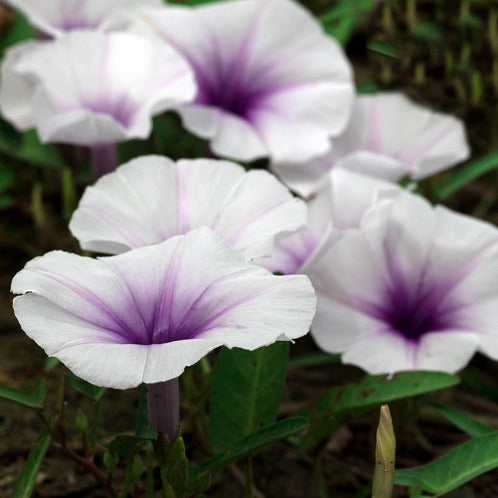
<point x="57" y="17"/>
<point x="409" y="258"/>
<point x="381" y="353"/>
<point x="277" y="86"/>
<point x="145" y="315"/>
<point x="93" y="88"/>
<point x="374" y="164"/>
<point x="151" y="199"/>
<point x="237" y="139"/>
<point x="446" y="351"/>
<point x="16" y="92"/>
<point x="352" y="195"/>
<point x="418" y="141"/>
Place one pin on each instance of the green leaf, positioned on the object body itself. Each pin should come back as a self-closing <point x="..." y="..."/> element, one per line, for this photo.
<point x="7" y="175"/>
<point x="26" y="482"/>
<point x="84" y="387"/>
<point x="27" y="147"/>
<point x="466" y="174"/>
<point x="384" y="48"/>
<point x="246" y="391"/>
<point x="50" y="363"/>
<point x="20" y="30"/>
<point x="33" y="399"/>
<point x="249" y="445"/>
<point x="428" y="31"/>
<point x="340" y="21"/>
<point x="314" y="360"/>
<point x="463" y="421"/>
<point x="329" y="410"/>
<point x="126" y="445"/>
<point x="142" y="427"/>
<point x="455" y="468"/>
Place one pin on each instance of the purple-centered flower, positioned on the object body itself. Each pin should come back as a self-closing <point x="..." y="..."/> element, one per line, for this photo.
<point x="151" y="199"/>
<point x="414" y="288"/>
<point x="339" y="206"/>
<point x="57" y="17"/>
<point x="270" y="81"/>
<point x="145" y="315"/>
<point x="92" y="88"/>
<point x="388" y="137"/>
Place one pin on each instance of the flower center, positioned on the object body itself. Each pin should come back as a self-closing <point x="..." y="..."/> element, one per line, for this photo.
<point x="230" y="88"/>
<point x="414" y="313"/>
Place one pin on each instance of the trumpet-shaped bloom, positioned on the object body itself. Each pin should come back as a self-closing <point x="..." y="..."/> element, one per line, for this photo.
<point x="91" y="88"/>
<point x="144" y="315"/>
<point x="388" y="137"/>
<point x="151" y="199"/>
<point x="57" y="17"/>
<point x="415" y="287"/>
<point x="339" y="206"/>
<point x="270" y="81"/>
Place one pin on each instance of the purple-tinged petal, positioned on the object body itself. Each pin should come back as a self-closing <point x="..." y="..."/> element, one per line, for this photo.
<point x="145" y="315"/>
<point x="340" y="205"/>
<point x="91" y="87"/>
<point x="151" y="199"/>
<point x="387" y="137"/>
<point x="406" y="290"/>
<point x="57" y="17"/>
<point x="421" y="140"/>
<point x="16" y="92"/>
<point x="273" y="82"/>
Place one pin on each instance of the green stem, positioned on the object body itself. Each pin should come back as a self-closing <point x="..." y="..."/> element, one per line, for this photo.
<point x="95" y="424"/>
<point x="160" y="452"/>
<point x="37" y="208"/>
<point x="321" y="487"/>
<point x="149" y="482"/>
<point x="60" y="410"/>
<point x="249" y="478"/>
<point x="68" y="193"/>
<point x="128" y="478"/>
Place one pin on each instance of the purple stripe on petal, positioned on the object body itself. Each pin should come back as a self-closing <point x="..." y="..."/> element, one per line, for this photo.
<point x="117" y="327"/>
<point x="163" y="331"/>
<point x="132" y="239"/>
<point x="205" y="325"/>
<point x="236" y="236"/>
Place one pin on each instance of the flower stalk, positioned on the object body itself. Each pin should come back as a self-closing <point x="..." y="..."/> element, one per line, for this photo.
<point x="104" y="159"/>
<point x="163" y="403"/>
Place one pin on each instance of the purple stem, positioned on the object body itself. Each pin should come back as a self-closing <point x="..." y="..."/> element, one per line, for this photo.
<point x="104" y="159"/>
<point x="163" y="402"/>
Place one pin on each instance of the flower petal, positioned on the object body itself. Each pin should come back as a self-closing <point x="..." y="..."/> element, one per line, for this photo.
<point x="151" y="199"/>
<point x="92" y="87"/>
<point x="275" y="82"/>
<point x="16" y="93"/>
<point x="405" y="290"/>
<point x="145" y="315"/>
<point x="57" y="17"/>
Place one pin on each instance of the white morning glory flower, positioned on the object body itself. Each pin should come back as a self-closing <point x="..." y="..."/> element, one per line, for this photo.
<point x="152" y="198"/>
<point x="91" y="88"/>
<point x="145" y="315"/>
<point x="340" y="205"/>
<point x="57" y="17"/>
<point x="414" y="288"/>
<point x="271" y="82"/>
<point x="388" y="137"/>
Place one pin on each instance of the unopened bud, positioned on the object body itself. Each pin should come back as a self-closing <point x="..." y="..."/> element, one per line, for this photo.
<point x="111" y="460"/>
<point x="385" y="454"/>
<point x="81" y="422"/>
